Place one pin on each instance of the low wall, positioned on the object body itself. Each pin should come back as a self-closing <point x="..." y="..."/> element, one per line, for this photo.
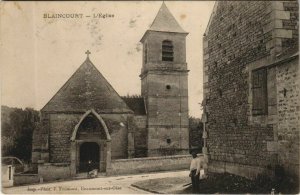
<point x="150" y="164"/>
<point x="22" y="179"/>
<point x="54" y="171"/>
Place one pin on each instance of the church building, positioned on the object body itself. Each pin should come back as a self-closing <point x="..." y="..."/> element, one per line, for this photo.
<point x="88" y="122"/>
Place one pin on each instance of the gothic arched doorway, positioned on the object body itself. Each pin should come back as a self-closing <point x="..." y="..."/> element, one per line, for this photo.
<point x="89" y="151"/>
<point x="90" y="140"/>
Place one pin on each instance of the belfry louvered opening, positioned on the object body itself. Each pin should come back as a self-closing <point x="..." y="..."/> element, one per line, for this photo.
<point x="167" y="51"/>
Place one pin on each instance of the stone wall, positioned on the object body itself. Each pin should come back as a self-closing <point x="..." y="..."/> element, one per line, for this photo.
<point x="168" y="141"/>
<point x="242" y="37"/>
<point x="243" y="170"/>
<point x="154" y="41"/>
<point x="54" y="171"/>
<point x="288" y="94"/>
<point x="165" y="89"/>
<point x="23" y="179"/>
<point x="118" y="132"/>
<point x="61" y="128"/>
<point x="142" y="165"/>
<point x="140" y="136"/>
<point x="167" y="114"/>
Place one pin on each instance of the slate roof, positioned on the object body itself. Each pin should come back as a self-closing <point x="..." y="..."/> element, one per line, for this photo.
<point x="87" y="89"/>
<point x="136" y="104"/>
<point x="165" y="21"/>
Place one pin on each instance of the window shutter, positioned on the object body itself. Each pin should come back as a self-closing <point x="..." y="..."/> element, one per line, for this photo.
<point x="259" y="92"/>
<point x="167" y="50"/>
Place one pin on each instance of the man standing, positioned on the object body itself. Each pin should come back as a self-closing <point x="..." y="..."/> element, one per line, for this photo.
<point x="89" y="168"/>
<point x="195" y="171"/>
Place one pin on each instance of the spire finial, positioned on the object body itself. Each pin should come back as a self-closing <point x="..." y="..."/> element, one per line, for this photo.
<point x="87" y="53"/>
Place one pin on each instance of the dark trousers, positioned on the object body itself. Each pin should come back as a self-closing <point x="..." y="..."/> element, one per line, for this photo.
<point x="195" y="181"/>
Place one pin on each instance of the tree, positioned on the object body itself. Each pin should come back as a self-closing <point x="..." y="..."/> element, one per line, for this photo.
<point x="17" y="127"/>
<point x="196" y="130"/>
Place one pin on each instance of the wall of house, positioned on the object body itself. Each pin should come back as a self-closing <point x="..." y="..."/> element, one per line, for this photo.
<point x="241" y="37"/>
<point x="288" y="94"/>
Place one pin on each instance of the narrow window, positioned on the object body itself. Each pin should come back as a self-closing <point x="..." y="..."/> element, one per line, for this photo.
<point x="259" y="92"/>
<point x="168" y="140"/>
<point x="167" y="51"/>
<point x="284" y="92"/>
<point x="9" y="173"/>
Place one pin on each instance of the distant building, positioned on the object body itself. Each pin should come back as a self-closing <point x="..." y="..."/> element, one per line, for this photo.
<point x="251" y="87"/>
<point x="87" y="121"/>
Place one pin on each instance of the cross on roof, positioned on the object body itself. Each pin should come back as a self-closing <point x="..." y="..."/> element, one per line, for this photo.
<point x="88" y="53"/>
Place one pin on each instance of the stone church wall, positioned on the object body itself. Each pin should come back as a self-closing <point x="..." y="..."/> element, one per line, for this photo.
<point x="118" y="133"/>
<point x="167" y="114"/>
<point x="164" y="141"/>
<point x="156" y="39"/>
<point x="140" y="136"/>
<point x="239" y="34"/>
<point x="61" y="128"/>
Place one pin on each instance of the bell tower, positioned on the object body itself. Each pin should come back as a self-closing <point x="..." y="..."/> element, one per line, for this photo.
<point x="164" y="78"/>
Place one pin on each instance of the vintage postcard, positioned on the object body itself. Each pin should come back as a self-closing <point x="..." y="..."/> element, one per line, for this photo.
<point x="136" y="97"/>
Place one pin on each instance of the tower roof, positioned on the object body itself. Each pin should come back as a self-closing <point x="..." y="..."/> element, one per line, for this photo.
<point x="165" y="21"/>
<point x="87" y="89"/>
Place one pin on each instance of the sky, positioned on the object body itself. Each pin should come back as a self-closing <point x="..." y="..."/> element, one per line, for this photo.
<point x="38" y="55"/>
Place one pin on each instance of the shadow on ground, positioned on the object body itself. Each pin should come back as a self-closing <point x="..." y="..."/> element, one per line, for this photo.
<point x="220" y="183"/>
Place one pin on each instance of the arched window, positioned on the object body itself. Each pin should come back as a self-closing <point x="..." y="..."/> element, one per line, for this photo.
<point x="167" y="50"/>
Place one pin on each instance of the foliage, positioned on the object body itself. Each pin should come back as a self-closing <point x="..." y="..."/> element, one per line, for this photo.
<point x="196" y="130"/>
<point x="17" y="126"/>
<point x="225" y="183"/>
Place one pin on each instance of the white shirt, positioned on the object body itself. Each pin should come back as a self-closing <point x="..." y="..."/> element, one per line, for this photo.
<point x="195" y="165"/>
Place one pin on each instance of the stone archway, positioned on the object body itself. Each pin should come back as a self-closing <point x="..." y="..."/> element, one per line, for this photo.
<point x="91" y="129"/>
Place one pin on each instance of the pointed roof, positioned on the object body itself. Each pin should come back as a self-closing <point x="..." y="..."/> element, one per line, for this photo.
<point x="87" y="89"/>
<point x="165" y="21"/>
<point x="212" y="15"/>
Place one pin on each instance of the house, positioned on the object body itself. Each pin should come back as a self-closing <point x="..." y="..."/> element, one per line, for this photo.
<point x="251" y="88"/>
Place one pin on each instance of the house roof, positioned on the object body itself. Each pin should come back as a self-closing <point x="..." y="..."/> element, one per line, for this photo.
<point x="87" y="89"/>
<point x="136" y="104"/>
<point x="212" y="15"/>
<point x="165" y="21"/>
